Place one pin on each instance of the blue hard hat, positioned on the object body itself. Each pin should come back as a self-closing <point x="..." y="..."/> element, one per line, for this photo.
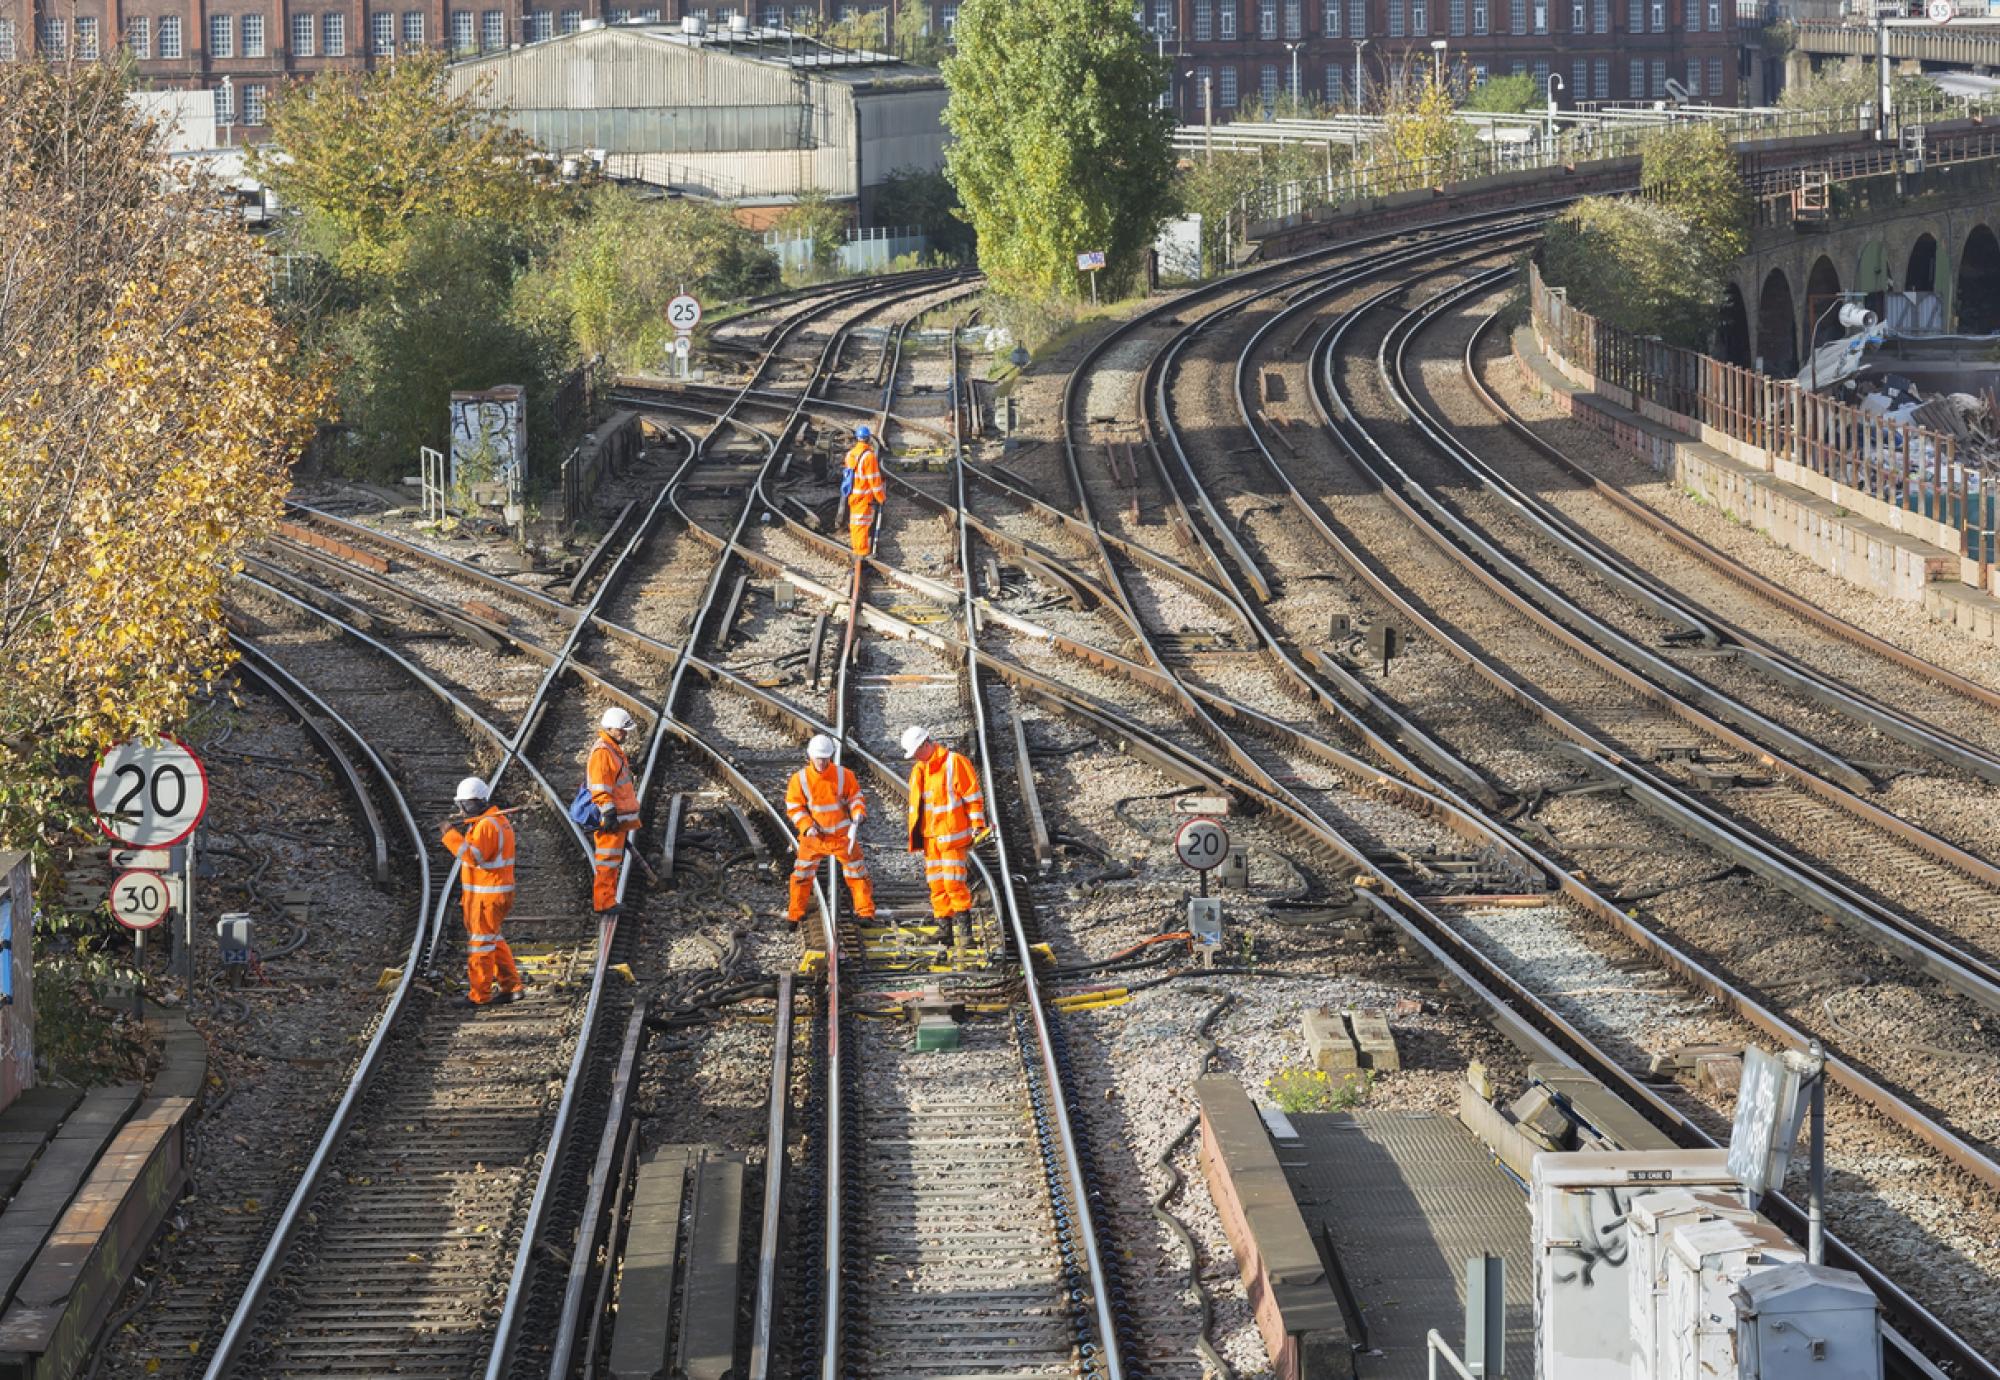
<point x="864" y="431"/>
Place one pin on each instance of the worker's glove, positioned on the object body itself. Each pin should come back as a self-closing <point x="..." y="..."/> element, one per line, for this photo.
<point x="813" y="831"/>
<point x="916" y="839"/>
<point x="607" y="819"/>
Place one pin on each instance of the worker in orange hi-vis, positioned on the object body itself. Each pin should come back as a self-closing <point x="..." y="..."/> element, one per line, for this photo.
<point x="861" y="481"/>
<point x="825" y="805"/>
<point x="947" y="818"/>
<point x="617" y="802"/>
<point x="485" y="851"/>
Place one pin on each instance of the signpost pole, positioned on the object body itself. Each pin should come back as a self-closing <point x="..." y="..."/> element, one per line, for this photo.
<point x="1816" y="1188"/>
<point x="139" y="987"/>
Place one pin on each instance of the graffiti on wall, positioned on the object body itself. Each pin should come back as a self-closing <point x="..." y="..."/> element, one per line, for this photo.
<point x="489" y="437"/>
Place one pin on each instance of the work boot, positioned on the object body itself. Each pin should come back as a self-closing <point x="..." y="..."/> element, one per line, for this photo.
<point x="509" y="998"/>
<point x="467" y="1003"/>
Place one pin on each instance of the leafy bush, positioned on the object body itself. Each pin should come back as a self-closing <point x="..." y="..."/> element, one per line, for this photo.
<point x="1636" y="265"/>
<point x="1514" y="95"/>
<point x="928" y="201"/>
<point x="1295" y="1089"/>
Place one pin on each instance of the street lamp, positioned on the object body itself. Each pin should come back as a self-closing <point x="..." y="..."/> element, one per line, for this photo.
<point x="1293" y="49"/>
<point x="1359" y="44"/>
<point x="228" y="109"/>
<point x="1438" y="46"/>
<point x="1207" y="116"/>
<point x="1555" y="85"/>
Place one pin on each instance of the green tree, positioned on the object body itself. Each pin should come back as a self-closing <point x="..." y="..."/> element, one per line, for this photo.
<point x="1515" y="95"/>
<point x="369" y="155"/>
<point x="1691" y="171"/>
<point x="814" y="216"/>
<point x="915" y="39"/>
<point x="444" y="322"/>
<point x="1423" y="143"/>
<point x="1059" y="143"/>
<point x="609" y="277"/>
<point x="1852" y="83"/>
<point x="1637" y="265"/>
<point x="928" y="201"/>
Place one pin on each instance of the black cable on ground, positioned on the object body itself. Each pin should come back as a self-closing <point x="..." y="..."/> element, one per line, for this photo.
<point x="1204" y="1344"/>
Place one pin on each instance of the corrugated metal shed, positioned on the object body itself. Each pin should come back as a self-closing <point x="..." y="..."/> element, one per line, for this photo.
<point x="763" y="116"/>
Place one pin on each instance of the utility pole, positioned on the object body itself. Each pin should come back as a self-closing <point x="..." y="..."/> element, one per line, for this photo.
<point x="1208" y="119"/>
<point x="1359" y="44"/>
<point x="1293" y="49"/>
<point x="1882" y="86"/>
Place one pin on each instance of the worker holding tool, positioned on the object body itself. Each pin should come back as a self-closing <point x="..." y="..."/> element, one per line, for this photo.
<point x="825" y="805"/>
<point x="861" y="482"/>
<point x="617" y="803"/>
<point x="947" y="820"/>
<point x="485" y="851"/>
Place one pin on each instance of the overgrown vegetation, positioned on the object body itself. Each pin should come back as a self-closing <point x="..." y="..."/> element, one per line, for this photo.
<point x="1852" y="83"/>
<point x="1513" y="95"/>
<point x="1294" y="1090"/>
<point x="927" y="201"/>
<point x="1656" y="264"/>
<point x="813" y="217"/>
<point x="150" y="404"/>
<point x="1059" y="142"/>
<point x="443" y="256"/>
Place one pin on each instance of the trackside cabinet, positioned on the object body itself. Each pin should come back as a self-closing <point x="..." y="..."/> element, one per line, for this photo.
<point x="1807" y="1322"/>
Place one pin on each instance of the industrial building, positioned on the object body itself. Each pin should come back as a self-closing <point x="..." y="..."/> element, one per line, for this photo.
<point x="752" y="115"/>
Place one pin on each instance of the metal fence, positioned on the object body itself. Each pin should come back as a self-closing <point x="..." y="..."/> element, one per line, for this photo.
<point x="863" y="251"/>
<point x="1599" y="133"/>
<point x="1906" y="466"/>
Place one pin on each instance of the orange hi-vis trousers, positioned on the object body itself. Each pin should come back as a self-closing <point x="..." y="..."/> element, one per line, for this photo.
<point x="861" y="525"/>
<point x="860" y="884"/>
<point x="485" y="851"/>
<point x="947" y="870"/>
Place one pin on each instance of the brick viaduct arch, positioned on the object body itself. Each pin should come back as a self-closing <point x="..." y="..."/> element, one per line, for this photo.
<point x="1783" y="285"/>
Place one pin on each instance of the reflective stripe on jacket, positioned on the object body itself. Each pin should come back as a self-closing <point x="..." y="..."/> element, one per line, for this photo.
<point x="830" y="799"/>
<point x="486" y="852"/>
<point x="946" y="801"/>
<point x="611" y="779"/>
<point x="868" y="483"/>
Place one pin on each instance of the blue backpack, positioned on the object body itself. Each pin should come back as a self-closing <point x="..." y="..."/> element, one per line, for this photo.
<point x="583" y="810"/>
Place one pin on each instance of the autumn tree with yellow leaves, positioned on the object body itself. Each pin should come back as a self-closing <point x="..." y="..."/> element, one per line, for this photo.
<point x="148" y="412"/>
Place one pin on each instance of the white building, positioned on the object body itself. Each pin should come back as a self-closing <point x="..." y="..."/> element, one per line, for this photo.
<point x="754" y="116"/>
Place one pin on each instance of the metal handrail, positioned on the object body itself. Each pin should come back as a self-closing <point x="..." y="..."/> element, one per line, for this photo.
<point x="1437" y="1346"/>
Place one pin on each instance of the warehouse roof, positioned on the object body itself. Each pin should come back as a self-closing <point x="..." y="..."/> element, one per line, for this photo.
<point x="767" y="48"/>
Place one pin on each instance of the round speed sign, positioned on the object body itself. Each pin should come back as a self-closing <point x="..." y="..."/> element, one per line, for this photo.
<point x="149" y="796"/>
<point x="139" y="900"/>
<point x="1201" y="844"/>
<point x="1942" y="11"/>
<point x="684" y="313"/>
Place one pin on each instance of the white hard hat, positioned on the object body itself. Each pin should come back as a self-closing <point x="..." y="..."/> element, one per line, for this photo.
<point x="821" y="748"/>
<point x="472" y="788"/>
<point x="616" y="718"/>
<point x="914" y="739"/>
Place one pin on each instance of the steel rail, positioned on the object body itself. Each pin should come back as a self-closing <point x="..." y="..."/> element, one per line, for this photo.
<point x="371" y="1055"/>
<point x="1005" y="898"/>
<point x="553" y="1162"/>
<point x="1420" y="919"/>
<point x="1916" y="943"/>
<point x="1975" y="758"/>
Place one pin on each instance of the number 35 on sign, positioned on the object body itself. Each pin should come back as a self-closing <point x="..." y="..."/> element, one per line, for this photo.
<point x="149" y="795"/>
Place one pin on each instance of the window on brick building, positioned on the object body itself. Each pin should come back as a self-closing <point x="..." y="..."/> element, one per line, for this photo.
<point x="1636" y="89"/>
<point x="572" y="21"/>
<point x="1659" y="78"/>
<point x="1542" y="80"/>
<point x="8" y="50"/>
<point x="1226" y="96"/>
<point x="1659" y="8"/>
<point x="1329" y="18"/>
<point x="88" y="45"/>
<point x="492" y="29"/>
<point x="333" y="35"/>
<point x="138" y="36"/>
<point x="1603" y="79"/>
<point x="304" y="28"/>
<point x="222" y="35"/>
<point x="1267" y="18"/>
<point x="55" y="37"/>
<point x="1715" y="80"/>
<point x="1357" y="24"/>
<point x="1295" y="18"/>
<point x="1635" y="16"/>
<point x="170" y="36"/>
<point x="1579" y="81"/>
<point x="1694" y="76"/>
<point x="253" y="104"/>
<point x="1395" y="18"/>
<point x="413" y="28"/>
<point x="1204" y="21"/>
<point x="1518" y="16"/>
<point x="1267" y="86"/>
<point x="1226" y="17"/>
<point x="1336" y="83"/>
<point x="1601" y="15"/>
<point x="1479" y="16"/>
<point x="1457" y="18"/>
<point x="1541" y="16"/>
<point x="253" y="35"/>
<point x="225" y="106"/>
<point x="1577" y="18"/>
<point x="1693" y="15"/>
<point x="382" y="32"/>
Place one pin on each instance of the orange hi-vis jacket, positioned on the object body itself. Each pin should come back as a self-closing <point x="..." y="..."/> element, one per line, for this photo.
<point x="485" y="851"/>
<point x="946" y="804"/>
<point x="831" y="799"/>
<point x="869" y="488"/>
<point x="611" y="780"/>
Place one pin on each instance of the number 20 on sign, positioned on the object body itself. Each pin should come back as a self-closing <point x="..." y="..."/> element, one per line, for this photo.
<point x="149" y="795"/>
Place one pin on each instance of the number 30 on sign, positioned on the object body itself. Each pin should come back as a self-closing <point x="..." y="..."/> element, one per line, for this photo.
<point x="139" y="900"/>
<point x="149" y="796"/>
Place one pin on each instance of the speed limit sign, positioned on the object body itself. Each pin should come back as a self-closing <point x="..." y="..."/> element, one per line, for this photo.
<point x="139" y="900"/>
<point x="684" y="313"/>
<point x="1201" y="844"/>
<point x="1942" y="11"/>
<point x="149" y="796"/>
